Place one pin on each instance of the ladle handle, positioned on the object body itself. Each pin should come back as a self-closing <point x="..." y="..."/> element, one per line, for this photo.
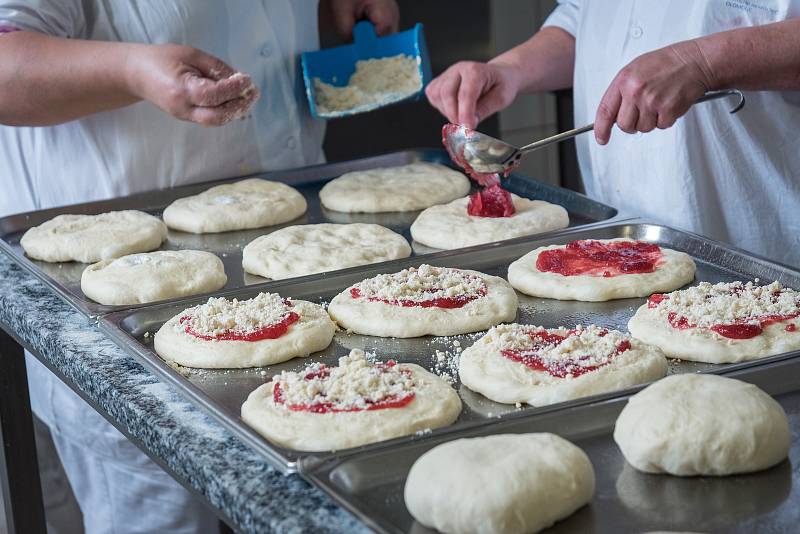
<point x="712" y="95"/>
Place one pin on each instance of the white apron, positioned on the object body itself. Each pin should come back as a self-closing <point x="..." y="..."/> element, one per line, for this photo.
<point x="731" y="177"/>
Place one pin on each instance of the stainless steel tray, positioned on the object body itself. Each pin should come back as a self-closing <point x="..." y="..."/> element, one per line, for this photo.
<point x="65" y="277"/>
<point x="221" y="393"/>
<point x="371" y="484"/>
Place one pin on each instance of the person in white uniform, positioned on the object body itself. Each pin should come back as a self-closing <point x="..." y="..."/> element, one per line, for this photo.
<point x="639" y="65"/>
<point x="102" y="99"/>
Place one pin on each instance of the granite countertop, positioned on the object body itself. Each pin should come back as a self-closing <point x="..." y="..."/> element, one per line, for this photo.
<point x="232" y="477"/>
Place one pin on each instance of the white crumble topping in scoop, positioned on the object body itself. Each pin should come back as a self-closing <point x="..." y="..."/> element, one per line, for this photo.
<point x="420" y="284"/>
<point x="220" y="315"/>
<point x="560" y="351"/>
<point x="707" y="305"/>
<point x="356" y="384"/>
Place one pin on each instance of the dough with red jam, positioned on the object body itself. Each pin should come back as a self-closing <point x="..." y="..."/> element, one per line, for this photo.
<point x="504" y="484"/>
<point x="586" y="277"/>
<point x="427" y="300"/>
<point x="529" y="364"/>
<point x="92" y="238"/>
<point x="358" y="402"/>
<point x="404" y="188"/>
<point x="721" y="323"/>
<point x="317" y="248"/>
<point x="153" y="276"/>
<point x="251" y="203"/>
<point x="449" y="226"/>
<point x="264" y="330"/>
<point x="700" y="425"/>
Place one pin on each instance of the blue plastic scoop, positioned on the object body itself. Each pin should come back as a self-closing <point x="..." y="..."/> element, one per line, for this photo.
<point x="336" y="65"/>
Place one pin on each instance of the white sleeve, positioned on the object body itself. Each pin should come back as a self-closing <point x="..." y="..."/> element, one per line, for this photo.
<point x="566" y="16"/>
<point x="60" y="18"/>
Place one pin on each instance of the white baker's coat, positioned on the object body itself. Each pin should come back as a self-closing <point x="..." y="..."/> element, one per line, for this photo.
<point x="731" y="177"/>
<point x="141" y="148"/>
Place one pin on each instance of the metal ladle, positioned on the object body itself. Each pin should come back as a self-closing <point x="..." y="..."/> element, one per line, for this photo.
<point x="482" y="154"/>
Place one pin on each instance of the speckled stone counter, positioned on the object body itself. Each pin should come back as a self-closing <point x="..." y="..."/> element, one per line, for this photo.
<point x="235" y="480"/>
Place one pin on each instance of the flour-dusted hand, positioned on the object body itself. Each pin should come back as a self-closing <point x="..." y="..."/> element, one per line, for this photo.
<point x="468" y="91"/>
<point x="189" y="84"/>
<point x="653" y="91"/>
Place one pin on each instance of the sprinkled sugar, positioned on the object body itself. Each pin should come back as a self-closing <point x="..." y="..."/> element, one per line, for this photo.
<point x="355" y="384"/>
<point x="220" y="315"/>
<point x="706" y="305"/>
<point x="423" y="283"/>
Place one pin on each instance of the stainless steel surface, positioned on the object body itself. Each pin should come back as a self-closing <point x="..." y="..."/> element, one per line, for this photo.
<point x="485" y="154"/>
<point x="221" y="393"/>
<point x="65" y="277"/>
<point x="371" y="484"/>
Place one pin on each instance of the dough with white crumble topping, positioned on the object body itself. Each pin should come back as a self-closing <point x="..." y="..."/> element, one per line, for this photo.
<point x="397" y="305"/>
<point x="340" y="416"/>
<point x="219" y="318"/>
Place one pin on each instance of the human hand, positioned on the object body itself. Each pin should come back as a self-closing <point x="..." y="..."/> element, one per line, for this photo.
<point x="468" y="92"/>
<point x="653" y="91"/>
<point x="384" y="14"/>
<point x="189" y="84"/>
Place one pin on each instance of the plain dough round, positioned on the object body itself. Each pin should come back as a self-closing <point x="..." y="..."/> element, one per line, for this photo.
<point x="675" y="270"/>
<point x="448" y="226"/>
<point x="317" y="248"/>
<point x="152" y="276"/>
<point x="251" y="203"/>
<point x="705" y="345"/>
<point x="693" y="424"/>
<point x="405" y="188"/>
<point x="386" y="320"/>
<point x="435" y="404"/>
<point x="91" y="238"/>
<point x="483" y="369"/>
<point x="311" y="333"/>
<point x="504" y="484"/>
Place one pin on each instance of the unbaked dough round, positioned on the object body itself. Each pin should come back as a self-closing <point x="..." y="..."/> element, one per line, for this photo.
<point x="251" y="203"/>
<point x="317" y="248"/>
<point x="448" y="226"/>
<point x="483" y="367"/>
<point x="405" y="188"/>
<point x="384" y="319"/>
<point x="674" y="270"/>
<point x="702" y="344"/>
<point x="313" y="331"/>
<point x="694" y="424"/>
<point x="152" y="276"/>
<point x="504" y="484"/>
<point x="434" y="404"/>
<point x="91" y="238"/>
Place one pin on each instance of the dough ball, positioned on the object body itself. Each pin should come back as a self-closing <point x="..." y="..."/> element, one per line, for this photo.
<point x="91" y="238"/>
<point x="316" y="248"/>
<point x="251" y="203"/>
<point x="405" y="188"/>
<point x="509" y="483"/>
<point x="152" y="276"/>
<point x="448" y="226"/>
<point x="702" y="425"/>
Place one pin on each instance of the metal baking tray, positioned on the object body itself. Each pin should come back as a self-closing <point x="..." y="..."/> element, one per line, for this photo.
<point x="370" y="485"/>
<point x="221" y="393"/>
<point x="65" y="278"/>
